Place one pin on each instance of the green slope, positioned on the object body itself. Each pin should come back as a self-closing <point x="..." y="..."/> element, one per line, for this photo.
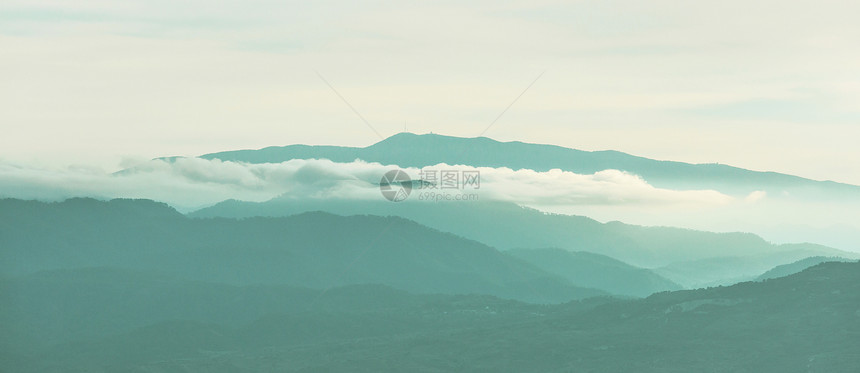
<point x="806" y="322"/>
<point x="800" y="265"/>
<point x="507" y="226"/>
<point x="316" y="250"/>
<point x="597" y="271"/>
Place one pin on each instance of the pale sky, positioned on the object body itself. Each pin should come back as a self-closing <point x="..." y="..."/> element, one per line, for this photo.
<point x="765" y="85"/>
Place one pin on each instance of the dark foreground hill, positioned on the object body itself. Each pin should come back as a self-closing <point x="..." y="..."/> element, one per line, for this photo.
<point x="316" y="250"/>
<point x="806" y="322"/>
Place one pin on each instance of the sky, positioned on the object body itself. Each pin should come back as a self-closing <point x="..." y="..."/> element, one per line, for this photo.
<point x="765" y="85"/>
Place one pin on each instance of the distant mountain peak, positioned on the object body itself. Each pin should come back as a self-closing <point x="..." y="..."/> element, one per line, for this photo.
<point x="409" y="138"/>
<point x="408" y="149"/>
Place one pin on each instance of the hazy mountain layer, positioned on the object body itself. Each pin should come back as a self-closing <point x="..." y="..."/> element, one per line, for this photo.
<point x="317" y="250"/>
<point x="729" y="270"/>
<point x="507" y="226"/>
<point x="596" y="271"/>
<point x="800" y="265"/>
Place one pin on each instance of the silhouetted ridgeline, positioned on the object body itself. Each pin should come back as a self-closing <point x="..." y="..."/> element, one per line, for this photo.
<point x="688" y="257"/>
<point x="131" y="285"/>
<point x="792" y="268"/>
<point x="411" y="150"/>
<point x="314" y="249"/>
<point x="596" y="271"/>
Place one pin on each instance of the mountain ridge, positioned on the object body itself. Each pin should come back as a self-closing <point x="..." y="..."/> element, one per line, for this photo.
<point x="505" y="225"/>
<point x="597" y="271"/>
<point x="298" y="250"/>
<point x="413" y="150"/>
<point x="803" y="322"/>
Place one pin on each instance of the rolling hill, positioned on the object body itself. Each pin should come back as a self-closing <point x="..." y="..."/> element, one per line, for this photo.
<point x="316" y="250"/>
<point x="806" y="322"/>
<point x="509" y="226"/>
<point x="596" y="271"/>
<point x="800" y="265"/>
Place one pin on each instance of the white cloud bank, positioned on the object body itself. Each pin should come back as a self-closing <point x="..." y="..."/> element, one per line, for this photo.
<point x="189" y="183"/>
<point x="755" y="196"/>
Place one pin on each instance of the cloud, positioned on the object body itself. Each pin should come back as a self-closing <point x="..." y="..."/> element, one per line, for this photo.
<point x="192" y="183"/>
<point x="188" y="183"/>
<point x="608" y="187"/>
<point x="755" y="196"/>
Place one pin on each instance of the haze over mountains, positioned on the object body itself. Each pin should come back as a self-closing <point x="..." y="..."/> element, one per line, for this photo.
<point x="313" y="250"/>
<point x="611" y="186"/>
<point x="596" y="271"/>
<point x="718" y="258"/>
<point x="132" y="285"/>
<point x="685" y="257"/>
<point x="347" y="280"/>
<point x="224" y="187"/>
<point x="766" y="202"/>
